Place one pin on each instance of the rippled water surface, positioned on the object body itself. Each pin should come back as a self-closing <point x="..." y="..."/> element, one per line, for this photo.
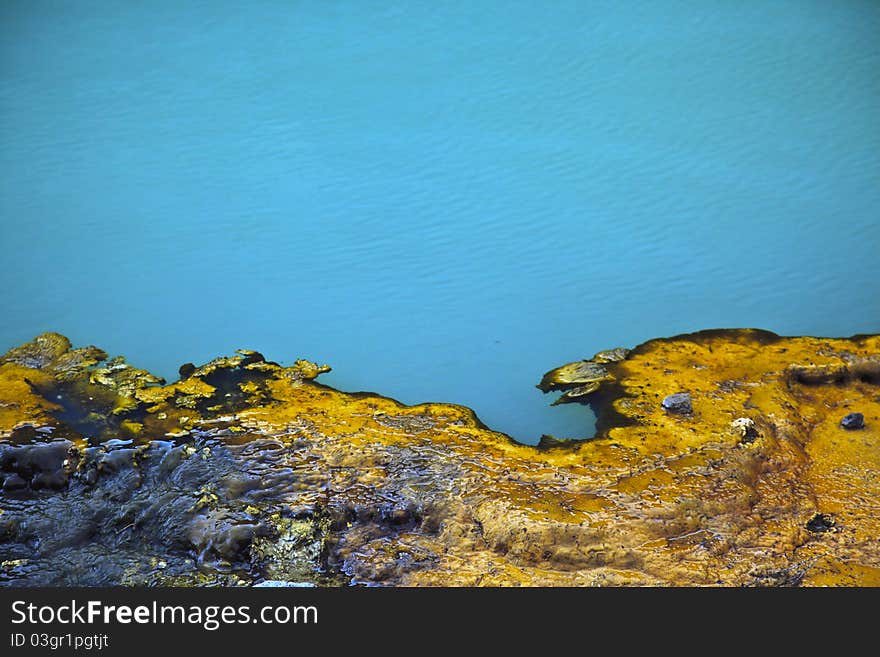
<point x="441" y="200"/>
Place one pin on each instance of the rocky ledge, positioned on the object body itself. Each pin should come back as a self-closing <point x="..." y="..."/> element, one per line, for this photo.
<point x="733" y="457"/>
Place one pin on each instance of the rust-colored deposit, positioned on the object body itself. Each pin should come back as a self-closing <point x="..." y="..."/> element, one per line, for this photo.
<point x="721" y="459"/>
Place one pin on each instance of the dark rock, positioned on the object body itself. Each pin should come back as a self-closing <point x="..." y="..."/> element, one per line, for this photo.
<point x="116" y="460"/>
<point x="853" y="421"/>
<point x="222" y="537"/>
<point x="89" y="477"/>
<point x="43" y="464"/>
<point x="55" y="480"/>
<point x="186" y="370"/>
<point x="821" y="522"/>
<point x="14" y="482"/>
<point x="679" y="404"/>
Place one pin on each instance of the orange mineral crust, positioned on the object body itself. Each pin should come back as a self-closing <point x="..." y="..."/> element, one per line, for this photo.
<point x="722" y="458"/>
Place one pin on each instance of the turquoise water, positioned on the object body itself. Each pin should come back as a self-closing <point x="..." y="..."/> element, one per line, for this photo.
<point x="441" y="200"/>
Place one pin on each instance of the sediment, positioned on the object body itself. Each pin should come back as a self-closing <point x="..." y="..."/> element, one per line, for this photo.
<point x="721" y="458"/>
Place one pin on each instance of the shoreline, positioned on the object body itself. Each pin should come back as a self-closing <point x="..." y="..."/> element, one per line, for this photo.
<point x="244" y="472"/>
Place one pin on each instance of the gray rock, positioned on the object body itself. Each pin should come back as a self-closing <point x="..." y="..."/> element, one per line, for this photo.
<point x="821" y="522"/>
<point x="679" y="404"/>
<point x="853" y="421"/>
